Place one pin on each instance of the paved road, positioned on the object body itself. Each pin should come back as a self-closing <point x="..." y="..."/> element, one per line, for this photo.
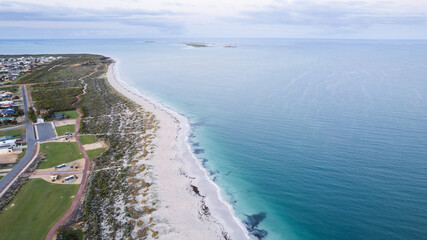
<point x="11" y="128"/>
<point x="31" y="147"/>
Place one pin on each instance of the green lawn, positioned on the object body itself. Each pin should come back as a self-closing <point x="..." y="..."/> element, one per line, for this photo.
<point x="58" y="153"/>
<point x="15" y="133"/>
<point x="35" y="209"/>
<point x="87" y="139"/>
<point x="66" y="128"/>
<point x="1" y="177"/>
<point x="71" y="114"/>
<point x="94" y="153"/>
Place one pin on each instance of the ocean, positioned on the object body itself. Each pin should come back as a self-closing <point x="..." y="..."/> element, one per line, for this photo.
<point x="308" y="139"/>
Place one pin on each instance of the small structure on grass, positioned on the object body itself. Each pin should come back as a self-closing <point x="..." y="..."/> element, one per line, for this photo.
<point x="61" y="166"/>
<point x="69" y="178"/>
<point x="54" y="177"/>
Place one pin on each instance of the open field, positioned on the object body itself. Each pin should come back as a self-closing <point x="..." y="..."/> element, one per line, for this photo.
<point x="11" y="157"/>
<point x="87" y="139"/>
<point x="94" y="153"/>
<point x="15" y="133"/>
<point x="35" y="209"/>
<point x="71" y="114"/>
<point x="58" y="153"/>
<point x="67" y="128"/>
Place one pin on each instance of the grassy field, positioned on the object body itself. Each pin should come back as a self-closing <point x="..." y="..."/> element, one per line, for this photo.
<point x="94" y="153"/>
<point x="71" y="114"/>
<point x="87" y="139"/>
<point x="15" y="133"/>
<point x="1" y="177"/>
<point x="58" y="153"/>
<point x="67" y="128"/>
<point x="35" y="209"/>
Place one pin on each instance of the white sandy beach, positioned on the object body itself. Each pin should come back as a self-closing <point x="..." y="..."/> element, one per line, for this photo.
<point x="175" y="170"/>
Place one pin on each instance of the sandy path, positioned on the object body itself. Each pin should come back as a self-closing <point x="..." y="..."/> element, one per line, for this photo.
<point x="94" y="146"/>
<point x="64" y="122"/>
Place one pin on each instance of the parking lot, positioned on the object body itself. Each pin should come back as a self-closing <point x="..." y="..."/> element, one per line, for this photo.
<point x="45" y="131"/>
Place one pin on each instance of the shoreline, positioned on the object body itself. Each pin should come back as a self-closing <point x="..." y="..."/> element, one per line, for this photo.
<point x="190" y="204"/>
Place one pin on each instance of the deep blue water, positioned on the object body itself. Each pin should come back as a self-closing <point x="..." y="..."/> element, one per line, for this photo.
<point x="327" y="138"/>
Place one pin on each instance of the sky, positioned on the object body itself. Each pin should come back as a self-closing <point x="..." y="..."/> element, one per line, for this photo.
<point x="333" y="19"/>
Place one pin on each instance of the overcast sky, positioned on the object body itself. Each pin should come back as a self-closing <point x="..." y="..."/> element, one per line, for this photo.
<point x="383" y="19"/>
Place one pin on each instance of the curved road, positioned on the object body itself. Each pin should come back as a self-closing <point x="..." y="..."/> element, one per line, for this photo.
<point x="7" y="181"/>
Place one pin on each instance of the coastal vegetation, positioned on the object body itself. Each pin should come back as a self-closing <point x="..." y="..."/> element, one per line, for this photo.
<point x="55" y="99"/>
<point x="66" y="233"/>
<point x="126" y="129"/>
<point x="59" y="153"/>
<point x="35" y="209"/>
<point x="67" y="69"/>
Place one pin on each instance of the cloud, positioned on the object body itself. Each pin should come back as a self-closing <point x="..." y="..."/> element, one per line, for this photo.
<point x="332" y="14"/>
<point x="24" y="12"/>
<point x="216" y="18"/>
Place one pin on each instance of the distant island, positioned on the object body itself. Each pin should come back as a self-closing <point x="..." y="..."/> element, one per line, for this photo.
<point x="197" y="45"/>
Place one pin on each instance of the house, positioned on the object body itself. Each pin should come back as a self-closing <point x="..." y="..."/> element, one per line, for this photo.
<point x="6" y="145"/>
<point x="40" y="120"/>
<point x="5" y="138"/>
<point x="8" y="111"/>
<point x="8" y="142"/>
<point x="6" y="104"/>
<point x="5" y="149"/>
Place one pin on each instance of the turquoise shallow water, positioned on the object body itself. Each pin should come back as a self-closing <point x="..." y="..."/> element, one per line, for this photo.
<point x="318" y="139"/>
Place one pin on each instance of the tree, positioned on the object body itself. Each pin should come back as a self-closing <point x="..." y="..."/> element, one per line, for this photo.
<point x="32" y="115"/>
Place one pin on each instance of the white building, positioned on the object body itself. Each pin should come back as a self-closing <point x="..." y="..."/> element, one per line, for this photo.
<point x="8" y="143"/>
